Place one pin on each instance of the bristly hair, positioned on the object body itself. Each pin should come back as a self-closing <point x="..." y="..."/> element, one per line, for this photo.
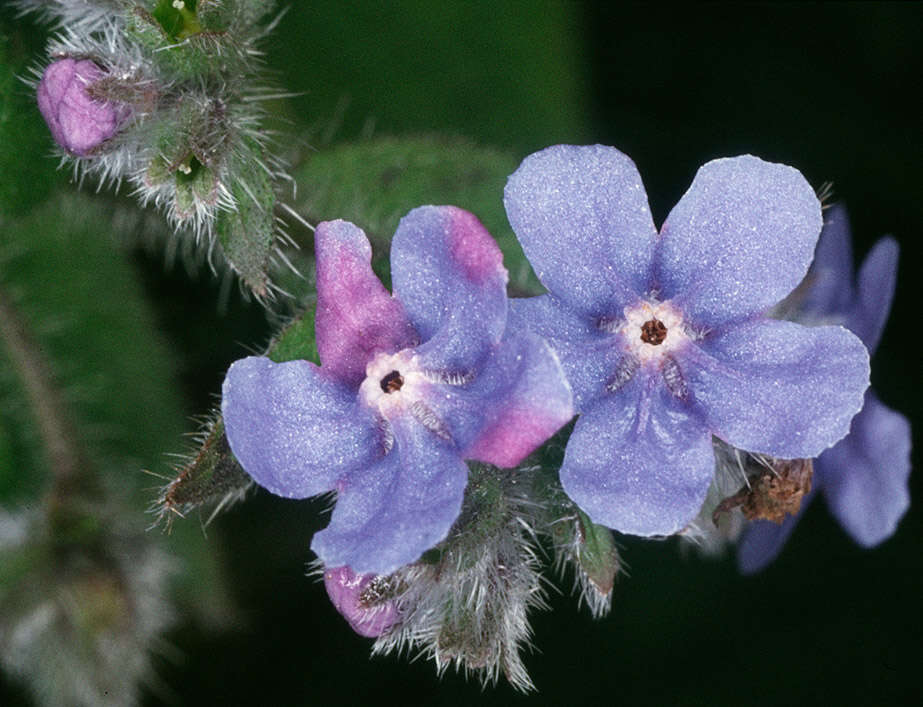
<point x="207" y="477"/>
<point x="466" y="602"/>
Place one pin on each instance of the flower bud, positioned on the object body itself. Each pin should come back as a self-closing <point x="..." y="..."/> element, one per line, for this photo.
<point x="362" y="601"/>
<point x="78" y="122"/>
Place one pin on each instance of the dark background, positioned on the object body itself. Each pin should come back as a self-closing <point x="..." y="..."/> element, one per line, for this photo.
<point x="829" y="88"/>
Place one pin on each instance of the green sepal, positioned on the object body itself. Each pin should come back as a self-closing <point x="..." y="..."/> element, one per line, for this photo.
<point x="297" y="340"/>
<point x="213" y="475"/>
<point x="247" y="233"/>
<point x="179" y="45"/>
<point x="178" y="23"/>
<point x="597" y="555"/>
<point x="374" y="183"/>
<point x="195" y="184"/>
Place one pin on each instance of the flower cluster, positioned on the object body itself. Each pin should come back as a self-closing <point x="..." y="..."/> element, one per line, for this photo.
<point x="133" y="93"/>
<point x="664" y="344"/>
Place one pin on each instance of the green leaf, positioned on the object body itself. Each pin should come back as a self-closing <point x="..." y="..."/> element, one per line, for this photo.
<point x="374" y="183"/>
<point x="27" y="168"/>
<point x="85" y="330"/>
<point x="296" y="340"/>
<point x="512" y="74"/>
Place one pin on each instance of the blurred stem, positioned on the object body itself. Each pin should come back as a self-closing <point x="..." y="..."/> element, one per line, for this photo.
<point x="57" y="434"/>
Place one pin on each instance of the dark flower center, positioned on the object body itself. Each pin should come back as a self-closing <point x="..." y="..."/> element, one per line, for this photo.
<point x="392" y="382"/>
<point x="653" y="332"/>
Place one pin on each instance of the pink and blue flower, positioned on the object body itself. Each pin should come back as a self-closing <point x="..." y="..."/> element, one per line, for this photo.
<point x="409" y="387"/>
<point x="664" y="336"/>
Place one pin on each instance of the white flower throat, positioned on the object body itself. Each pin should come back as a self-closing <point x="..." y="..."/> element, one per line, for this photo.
<point x="652" y="331"/>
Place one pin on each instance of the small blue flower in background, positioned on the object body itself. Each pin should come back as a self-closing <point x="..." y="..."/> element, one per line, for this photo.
<point x="663" y="336"/>
<point x="409" y="387"/>
<point x="864" y="478"/>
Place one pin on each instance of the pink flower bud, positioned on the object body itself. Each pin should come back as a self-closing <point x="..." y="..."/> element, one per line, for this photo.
<point x="77" y="122"/>
<point x="355" y="597"/>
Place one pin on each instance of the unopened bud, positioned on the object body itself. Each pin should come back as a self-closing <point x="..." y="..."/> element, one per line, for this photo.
<point x="78" y="123"/>
<point x="362" y="599"/>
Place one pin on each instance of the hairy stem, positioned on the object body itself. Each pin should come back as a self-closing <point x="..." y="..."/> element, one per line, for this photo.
<point x="57" y="434"/>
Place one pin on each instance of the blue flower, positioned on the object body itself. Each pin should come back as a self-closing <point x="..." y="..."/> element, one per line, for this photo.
<point x="409" y="387"/>
<point x="663" y="336"/>
<point x="864" y="477"/>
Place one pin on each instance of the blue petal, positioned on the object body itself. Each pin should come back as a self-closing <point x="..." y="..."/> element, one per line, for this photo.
<point x="582" y="217"/>
<point x="637" y="461"/>
<point x="830" y="279"/>
<point x="388" y="514"/>
<point x="588" y="355"/>
<point x="877" y="279"/>
<point x="738" y="241"/>
<point x="865" y="477"/>
<point x="448" y="273"/>
<point x="294" y="429"/>
<point x="517" y="400"/>
<point x="776" y="387"/>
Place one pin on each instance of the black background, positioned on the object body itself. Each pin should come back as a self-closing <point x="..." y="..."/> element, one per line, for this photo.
<point x="829" y="88"/>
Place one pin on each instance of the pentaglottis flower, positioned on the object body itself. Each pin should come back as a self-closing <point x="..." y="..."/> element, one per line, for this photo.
<point x="408" y="388"/>
<point x="663" y="335"/>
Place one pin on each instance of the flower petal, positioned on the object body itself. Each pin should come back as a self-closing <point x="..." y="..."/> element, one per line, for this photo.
<point x="763" y="540"/>
<point x="637" y="461"/>
<point x="448" y="272"/>
<point x="356" y="316"/>
<point x="582" y="217"/>
<point x="877" y="280"/>
<point x="830" y="280"/>
<point x="864" y="477"/>
<point x="588" y="355"/>
<point x="293" y="429"/>
<point x="738" y="241"/>
<point x="391" y="512"/>
<point x="777" y="387"/>
<point x="518" y="400"/>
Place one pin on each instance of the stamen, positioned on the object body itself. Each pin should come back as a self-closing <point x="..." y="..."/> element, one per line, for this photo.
<point x="392" y="382"/>
<point x="626" y="368"/>
<point x="653" y="332"/>
<point x="449" y="377"/>
<point x="429" y="420"/>
<point x="673" y="377"/>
